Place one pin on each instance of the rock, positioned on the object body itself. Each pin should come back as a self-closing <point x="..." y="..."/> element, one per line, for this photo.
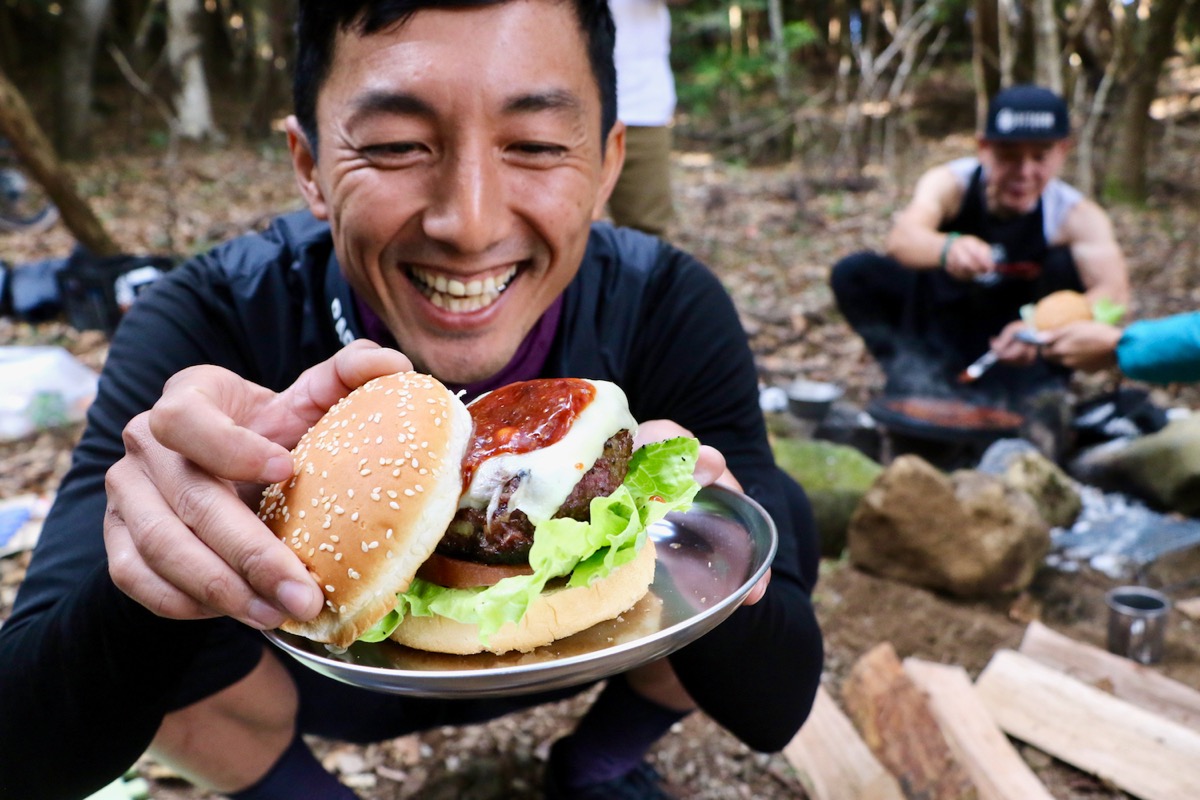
<point x="1162" y="468"/>
<point x="835" y="477"/>
<point x="968" y="533"/>
<point x="1052" y="490"/>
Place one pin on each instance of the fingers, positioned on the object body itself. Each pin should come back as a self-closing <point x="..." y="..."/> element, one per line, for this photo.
<point x="711" y="468"/>
<point x="320" y="387"/>
<point x="183" y="544"/>
<point x="758" y="590"/>
<point x="710" y="464"/>
<point x="202" y="416"/>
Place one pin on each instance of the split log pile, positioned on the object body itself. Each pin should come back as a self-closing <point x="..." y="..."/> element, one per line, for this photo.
<point x="918" y="729"/>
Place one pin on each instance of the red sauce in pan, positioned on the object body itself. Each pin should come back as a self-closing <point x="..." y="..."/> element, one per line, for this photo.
<point x="954" y="413"/>
<point x="524" y="416"/>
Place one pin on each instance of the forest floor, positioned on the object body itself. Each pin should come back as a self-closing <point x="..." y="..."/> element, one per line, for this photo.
<point x="771" y="234"/>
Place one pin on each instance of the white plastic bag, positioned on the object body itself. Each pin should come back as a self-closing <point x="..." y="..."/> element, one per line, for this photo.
<point x="41" y="388"/>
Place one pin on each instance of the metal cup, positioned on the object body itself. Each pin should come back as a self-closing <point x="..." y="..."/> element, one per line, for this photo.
<point x="1137" y="622"/>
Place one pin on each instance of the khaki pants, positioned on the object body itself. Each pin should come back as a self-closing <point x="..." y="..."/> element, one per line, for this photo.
<point x="642" y="197"/>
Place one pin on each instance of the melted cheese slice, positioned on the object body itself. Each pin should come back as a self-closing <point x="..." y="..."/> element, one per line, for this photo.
<point x="552" y="472"/>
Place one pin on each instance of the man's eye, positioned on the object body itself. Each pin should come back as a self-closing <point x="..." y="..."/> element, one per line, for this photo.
<point x="391" y="151"/>
<point x="539" y="149"/>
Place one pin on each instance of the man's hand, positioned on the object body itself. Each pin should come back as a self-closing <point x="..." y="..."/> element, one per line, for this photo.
<point x="968" y="258"/>
<point x="1012" y="350"/>
<point x="710" y="466"/>
<point x="180" y="536"/>
<point x="1088" y="346"/>
<point x="710" y="469"/>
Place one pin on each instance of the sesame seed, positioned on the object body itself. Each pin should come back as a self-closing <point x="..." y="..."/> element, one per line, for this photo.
<point x="394" y="505"/>
<point x="333" y="537"/>
<point x="354" y="517"/>
<point x="353" y="573"/>
<point x="408" y="493"/>
<point x="329" y="587"/>
<point x="392" y="494"/>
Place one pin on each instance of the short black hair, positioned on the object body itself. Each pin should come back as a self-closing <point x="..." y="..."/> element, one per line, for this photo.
<point x="319" y="21"/>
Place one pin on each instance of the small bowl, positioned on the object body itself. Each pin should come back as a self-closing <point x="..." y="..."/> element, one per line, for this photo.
<point x="812" y="399"/>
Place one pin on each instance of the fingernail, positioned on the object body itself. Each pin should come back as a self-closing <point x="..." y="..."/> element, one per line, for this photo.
<point x="264" y="614"/>
<point x="296" y="597"/>
<point x="279" y="468"/>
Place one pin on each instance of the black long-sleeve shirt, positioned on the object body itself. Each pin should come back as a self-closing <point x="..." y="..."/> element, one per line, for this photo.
<point x="86" y="673"/>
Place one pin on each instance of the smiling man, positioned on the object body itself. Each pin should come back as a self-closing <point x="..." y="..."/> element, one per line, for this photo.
<point x="981" y="237"/>
<point x="454" y="157"/>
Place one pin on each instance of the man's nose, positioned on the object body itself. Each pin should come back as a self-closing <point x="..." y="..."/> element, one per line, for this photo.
<point x="467" y="209"/>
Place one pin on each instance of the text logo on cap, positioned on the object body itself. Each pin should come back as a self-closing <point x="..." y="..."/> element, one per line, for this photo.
<point x="1008" y="120"/>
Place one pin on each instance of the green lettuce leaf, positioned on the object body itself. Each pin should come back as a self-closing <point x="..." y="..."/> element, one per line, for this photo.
<point x="659" y="481"/>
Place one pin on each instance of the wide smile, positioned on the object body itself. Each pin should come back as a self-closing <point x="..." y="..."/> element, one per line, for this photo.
<point x="452" y="294"/>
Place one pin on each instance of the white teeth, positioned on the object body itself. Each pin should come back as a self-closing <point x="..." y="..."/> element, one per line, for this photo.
<point x="455" y="295"/>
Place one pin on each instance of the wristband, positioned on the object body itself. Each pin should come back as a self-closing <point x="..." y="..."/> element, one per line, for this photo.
<point x="950" y="237"/>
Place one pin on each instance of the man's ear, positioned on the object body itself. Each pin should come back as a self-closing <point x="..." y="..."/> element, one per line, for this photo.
<point x="304" y="165"/>
<point x="610" y="169"/>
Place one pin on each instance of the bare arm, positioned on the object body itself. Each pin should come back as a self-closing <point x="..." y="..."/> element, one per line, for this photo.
<point x="1101" y="264"/>
<point x="915" y="240"/>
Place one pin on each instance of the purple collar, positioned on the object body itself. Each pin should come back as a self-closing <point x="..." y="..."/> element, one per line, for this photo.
<point x="526" y="364"/>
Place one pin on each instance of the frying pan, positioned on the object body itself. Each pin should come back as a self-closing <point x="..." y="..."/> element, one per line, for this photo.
<point x="944" y="419"/>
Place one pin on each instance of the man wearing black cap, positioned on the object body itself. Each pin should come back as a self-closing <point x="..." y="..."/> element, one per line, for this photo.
<point x="981" y="237"/>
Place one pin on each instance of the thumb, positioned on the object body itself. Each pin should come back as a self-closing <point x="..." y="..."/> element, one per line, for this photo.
<point x="321" y="386"/>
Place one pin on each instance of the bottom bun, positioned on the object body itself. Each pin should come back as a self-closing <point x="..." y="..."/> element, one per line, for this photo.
<point x="555" y="614"/>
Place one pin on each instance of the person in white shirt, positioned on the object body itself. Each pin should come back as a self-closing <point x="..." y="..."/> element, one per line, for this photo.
<point x="642" y="198"/>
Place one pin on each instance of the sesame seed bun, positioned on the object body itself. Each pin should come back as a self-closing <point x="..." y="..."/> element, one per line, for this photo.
<point x="1061" y="308"/>
<point x="554" y="614"/>
<point x="375" y="483"/>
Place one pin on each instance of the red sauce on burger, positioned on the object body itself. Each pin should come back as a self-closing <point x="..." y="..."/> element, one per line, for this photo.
<point x="522" y="417"/>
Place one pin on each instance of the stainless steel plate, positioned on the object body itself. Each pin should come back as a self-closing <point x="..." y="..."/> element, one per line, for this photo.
<point x="708" y="560"/>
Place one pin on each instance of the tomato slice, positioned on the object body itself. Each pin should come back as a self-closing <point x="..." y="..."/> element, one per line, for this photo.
<point x="455" y="573"/>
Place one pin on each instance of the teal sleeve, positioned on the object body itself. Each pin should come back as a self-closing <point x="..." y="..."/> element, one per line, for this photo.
<point x="1163" y="350"/>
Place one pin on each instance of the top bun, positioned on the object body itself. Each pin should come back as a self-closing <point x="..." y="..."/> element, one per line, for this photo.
<point x="375" y="483"/>
<point x="1061" y="308"/>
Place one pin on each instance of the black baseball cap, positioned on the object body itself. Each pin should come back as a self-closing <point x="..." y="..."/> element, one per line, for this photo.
<point x="1027" y="113"/>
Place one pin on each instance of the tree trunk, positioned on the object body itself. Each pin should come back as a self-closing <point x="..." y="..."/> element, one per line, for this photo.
<point x="775" y="18"/>
<point x="82" y="22"/>
<point x="193" y="108"/>
<point x="1046" y="48"/>
<point x="18" y="125"/>
<point x="984" y="59"/>
<point x="1153" y="43"/>
<point x="272" y="32"/>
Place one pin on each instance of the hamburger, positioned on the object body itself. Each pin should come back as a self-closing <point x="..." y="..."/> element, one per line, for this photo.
<point x="503" y="525"/>
<point x="1060" y="308"/>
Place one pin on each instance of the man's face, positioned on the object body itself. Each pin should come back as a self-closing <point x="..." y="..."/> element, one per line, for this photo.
<point x="1017" y="172"/>
<point x="460" y="166"/>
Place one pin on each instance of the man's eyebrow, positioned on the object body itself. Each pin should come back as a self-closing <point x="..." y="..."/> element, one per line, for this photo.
<point x="550" y="100"/>
<point x="384" y="102"/>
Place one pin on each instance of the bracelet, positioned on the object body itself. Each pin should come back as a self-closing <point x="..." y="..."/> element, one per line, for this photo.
<point x="950" y="237"/>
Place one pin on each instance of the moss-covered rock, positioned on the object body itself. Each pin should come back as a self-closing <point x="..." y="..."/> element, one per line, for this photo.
<point x="835" y="478"/>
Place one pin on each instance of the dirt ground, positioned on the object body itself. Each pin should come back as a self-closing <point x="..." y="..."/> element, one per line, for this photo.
<point x="772" y="234"/>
